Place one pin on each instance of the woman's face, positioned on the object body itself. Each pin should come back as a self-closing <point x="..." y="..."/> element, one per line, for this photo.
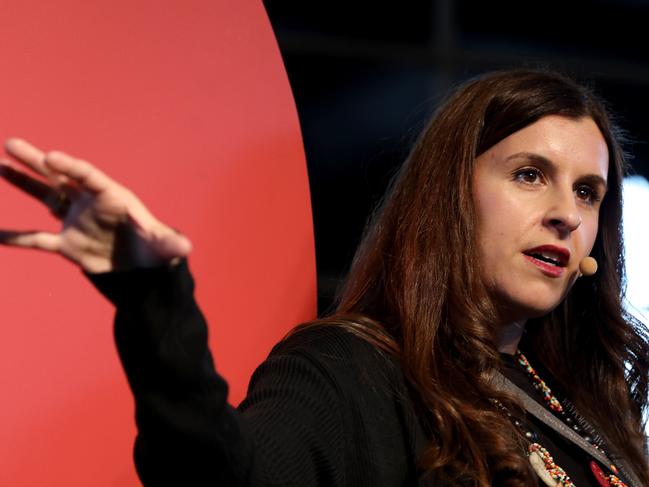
<point x="537" y="195"/>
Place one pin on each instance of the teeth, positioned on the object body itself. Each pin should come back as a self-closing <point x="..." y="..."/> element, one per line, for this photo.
<point x="545" y="258"/>
<point x="550" y="256"/>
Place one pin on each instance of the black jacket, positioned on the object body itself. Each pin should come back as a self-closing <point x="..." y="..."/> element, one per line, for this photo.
<point x="326" y="408"/>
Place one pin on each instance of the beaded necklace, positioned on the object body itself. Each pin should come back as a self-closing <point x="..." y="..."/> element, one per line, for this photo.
<point x="541" y="459"/>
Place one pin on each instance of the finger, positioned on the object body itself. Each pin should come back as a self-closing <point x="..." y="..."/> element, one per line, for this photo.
<point x="32" y="186"/>
<point x="172" y="245"/>
<point x="50" y="242"/>
<point x="165" y="242"/>
<point x="57" y="200"/>
<point x="27" y="154"/>
<point x="86" y="175"/>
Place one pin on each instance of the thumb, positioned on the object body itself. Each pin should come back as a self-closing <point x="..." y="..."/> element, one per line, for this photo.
<point x="163" y="240"/>
<point x="171" y="245"/>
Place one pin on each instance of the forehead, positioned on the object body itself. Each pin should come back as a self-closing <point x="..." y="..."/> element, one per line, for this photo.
<point x="571" y="144"/>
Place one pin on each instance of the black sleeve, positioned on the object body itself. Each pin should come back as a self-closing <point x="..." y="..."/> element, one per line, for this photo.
<point x="288" y="431"/>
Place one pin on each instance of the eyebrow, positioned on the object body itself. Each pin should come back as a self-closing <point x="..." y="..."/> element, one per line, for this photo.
<point x="593" y="179"/>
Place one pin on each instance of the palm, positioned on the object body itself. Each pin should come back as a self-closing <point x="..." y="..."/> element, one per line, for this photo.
<point x="104" y="225"/>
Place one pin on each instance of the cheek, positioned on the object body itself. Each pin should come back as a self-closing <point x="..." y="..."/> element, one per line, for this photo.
<point x="588" y="235"/>
<point x="494" y="238"/>
<point x="590" y="242"/>
<point x="499" y="216"/>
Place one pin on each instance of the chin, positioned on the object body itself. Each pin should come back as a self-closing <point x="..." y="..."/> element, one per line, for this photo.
<point x="520" y="308"/>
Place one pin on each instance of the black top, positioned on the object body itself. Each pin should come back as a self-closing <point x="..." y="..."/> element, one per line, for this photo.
<point x="326" y="408"/>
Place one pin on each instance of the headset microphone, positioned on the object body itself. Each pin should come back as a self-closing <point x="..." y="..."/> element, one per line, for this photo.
<point x="588" y="266"/>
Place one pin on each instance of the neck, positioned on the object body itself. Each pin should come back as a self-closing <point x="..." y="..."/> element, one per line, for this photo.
<point x="510" y="336"/>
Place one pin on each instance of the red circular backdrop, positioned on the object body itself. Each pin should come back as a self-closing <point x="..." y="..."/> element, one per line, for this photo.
<point x="188" y="104"/>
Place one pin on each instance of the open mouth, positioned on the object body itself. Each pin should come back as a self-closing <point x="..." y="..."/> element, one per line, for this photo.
<point x="549" y="254"/>
<point x="545" y="258"/>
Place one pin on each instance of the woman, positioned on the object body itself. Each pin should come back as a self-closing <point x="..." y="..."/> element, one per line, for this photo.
<point x="417" y="376"/>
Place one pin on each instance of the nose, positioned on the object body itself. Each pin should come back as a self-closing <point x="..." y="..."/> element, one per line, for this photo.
<point x="563" y="213"/>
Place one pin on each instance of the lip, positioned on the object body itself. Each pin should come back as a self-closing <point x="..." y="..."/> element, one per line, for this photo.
<point x="561" y="254"/>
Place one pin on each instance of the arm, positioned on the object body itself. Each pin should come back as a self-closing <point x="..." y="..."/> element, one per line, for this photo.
<point x="289" y="430"/>
<point x="187" y="433"/>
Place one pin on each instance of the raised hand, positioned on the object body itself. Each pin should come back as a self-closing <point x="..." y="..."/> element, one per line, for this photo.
<point x="104" y="225"/>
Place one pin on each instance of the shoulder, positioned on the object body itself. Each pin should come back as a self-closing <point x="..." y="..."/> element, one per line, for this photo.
<point x="338" y="357"/>
<point x="324" y="338"/>
<point x="326" y="378"/>
<point x="334" y="345"/>
<point x="358" y="371"/>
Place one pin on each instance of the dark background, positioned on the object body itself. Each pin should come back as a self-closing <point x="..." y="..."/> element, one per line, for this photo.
<point x="365" y="76"/>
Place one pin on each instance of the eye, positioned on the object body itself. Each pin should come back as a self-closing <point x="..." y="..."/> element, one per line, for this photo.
<point x="528" y="175"/>
<point x="587" y="193"/>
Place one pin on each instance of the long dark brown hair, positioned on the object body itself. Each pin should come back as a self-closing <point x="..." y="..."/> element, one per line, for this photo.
<point x="415" y="291"/>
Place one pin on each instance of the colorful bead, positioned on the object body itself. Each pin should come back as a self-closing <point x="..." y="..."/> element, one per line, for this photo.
<point x="556" y="472"/>
<point x="548" y="397"/>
